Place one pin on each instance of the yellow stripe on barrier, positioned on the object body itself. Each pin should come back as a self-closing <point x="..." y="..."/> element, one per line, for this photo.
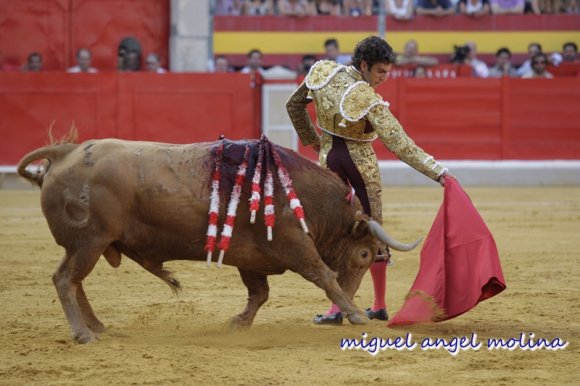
<point x="429" y="42"/>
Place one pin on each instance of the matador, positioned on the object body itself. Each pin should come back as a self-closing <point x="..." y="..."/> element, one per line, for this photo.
<point x="350" y="116"/>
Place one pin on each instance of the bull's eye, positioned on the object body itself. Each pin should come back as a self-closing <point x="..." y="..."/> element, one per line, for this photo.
<point x="365" y="254"/>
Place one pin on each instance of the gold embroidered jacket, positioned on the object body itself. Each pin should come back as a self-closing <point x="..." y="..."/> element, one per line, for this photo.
<point x="344" y="104"/>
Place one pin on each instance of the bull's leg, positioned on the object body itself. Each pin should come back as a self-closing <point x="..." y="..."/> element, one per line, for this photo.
<point x="87" y="311"/>
<point x="318" y="273"/>
<point x="258" y="291"/>
<point x="74" y="267"/>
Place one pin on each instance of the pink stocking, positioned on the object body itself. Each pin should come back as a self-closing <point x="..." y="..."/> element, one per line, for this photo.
<point x="379" y="275"/>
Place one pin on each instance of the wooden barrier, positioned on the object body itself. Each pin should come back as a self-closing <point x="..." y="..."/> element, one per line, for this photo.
<point x="462" y="118"/>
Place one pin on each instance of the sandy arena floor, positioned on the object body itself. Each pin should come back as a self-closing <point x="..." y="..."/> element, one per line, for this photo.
<point x="154" y="337"/>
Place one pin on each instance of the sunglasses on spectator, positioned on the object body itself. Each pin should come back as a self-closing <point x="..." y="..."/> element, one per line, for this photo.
<point x="540" y="62"/>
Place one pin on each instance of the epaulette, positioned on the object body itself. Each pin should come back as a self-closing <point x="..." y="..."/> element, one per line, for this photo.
<point x="321" y="73"/>
<point x="358" y="100"/>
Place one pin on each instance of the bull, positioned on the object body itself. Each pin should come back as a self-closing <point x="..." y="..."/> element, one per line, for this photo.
<point x="149" y="202"/>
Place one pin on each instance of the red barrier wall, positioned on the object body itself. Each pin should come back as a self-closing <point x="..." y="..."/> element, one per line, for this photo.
<point x="58" y="28"/>
<point x="176" y="108"/>
<point x="463" y="118"/>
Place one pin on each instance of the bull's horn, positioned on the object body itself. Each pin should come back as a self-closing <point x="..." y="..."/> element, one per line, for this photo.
<point x="377" y="231"/>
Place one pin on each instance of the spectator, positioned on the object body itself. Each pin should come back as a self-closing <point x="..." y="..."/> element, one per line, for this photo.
<point x="358" y="7"/>
<point x="474" y="8"/>
<point x="539" y="62"/>
<point x="228" y="7"/>
<point x="504" y="7"/>
<point x="254" y="63"/>
<point x="325" y="7"/>
<point x="503" y="65"/>
<point x="549" y="6"/>
<point x="332" y="52"/>
<point x="533" y="49"/>
<point x="532" y="6"/>
<point x="480" y="69"/>
<point x="34" y="63"/>
<point x="133" y="60"/>
<point x="129" y="54"/>
<point x="307" y="62"/>
<point x="570" y="52"/>
<point x="399" y="9"/>
<point x="153" y="63"/>
<point x="84" y="58"/>
<point x="411" y="57"/>
<point x="436" y="8"/>
<point x="258" y="7"/>
<point x="222" y="64"/>
<point x="293" y="8"/>
<point x="571" y="6"/>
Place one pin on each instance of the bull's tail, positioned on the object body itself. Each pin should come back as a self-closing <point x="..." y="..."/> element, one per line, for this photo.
<point x="49" y="153"/>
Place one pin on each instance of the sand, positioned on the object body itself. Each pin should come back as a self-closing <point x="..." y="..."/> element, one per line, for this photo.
<point x="155" y="337"/>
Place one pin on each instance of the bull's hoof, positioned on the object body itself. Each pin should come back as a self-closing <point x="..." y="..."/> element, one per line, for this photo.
<point x="358" y="317"/>
<point x="238" y="322"/>
<point x="86" y="337"/>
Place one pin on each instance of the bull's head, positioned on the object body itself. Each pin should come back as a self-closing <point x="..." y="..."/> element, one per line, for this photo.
<point x="361" y="247"/>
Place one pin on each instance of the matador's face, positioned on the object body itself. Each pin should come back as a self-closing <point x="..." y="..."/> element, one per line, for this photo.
<point x="376" y="74"/>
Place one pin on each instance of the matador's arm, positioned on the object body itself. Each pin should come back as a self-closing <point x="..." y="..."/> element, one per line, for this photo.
<point x="396" y="140"/>
<point x="296" y="107"/>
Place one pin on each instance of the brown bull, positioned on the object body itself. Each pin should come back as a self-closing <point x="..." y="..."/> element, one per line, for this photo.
<point x="149" y="202"/>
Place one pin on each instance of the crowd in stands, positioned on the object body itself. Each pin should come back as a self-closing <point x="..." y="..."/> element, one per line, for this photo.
<point x="413" y="63"/>
<point x="129" y="59"/>
<point x="417" y="65"/>
<point x="399" y="9"/>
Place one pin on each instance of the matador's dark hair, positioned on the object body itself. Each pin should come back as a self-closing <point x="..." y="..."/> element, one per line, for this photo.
<point x="373" y="50"/>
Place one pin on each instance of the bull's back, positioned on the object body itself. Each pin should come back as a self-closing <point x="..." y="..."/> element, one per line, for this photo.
<point x="123" y="189"/>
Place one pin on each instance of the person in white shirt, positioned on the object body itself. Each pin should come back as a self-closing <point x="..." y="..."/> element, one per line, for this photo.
<point x="153" y="63"/>
<point x="84" y="58"/>
<point x="254" y="63"/>
<point x="480" y="69"/>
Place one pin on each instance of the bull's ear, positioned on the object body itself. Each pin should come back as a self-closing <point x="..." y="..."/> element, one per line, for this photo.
<point x="358" y="217"/>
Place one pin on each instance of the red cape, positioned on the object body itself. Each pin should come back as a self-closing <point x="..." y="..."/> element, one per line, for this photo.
<point x="459" y="264"/>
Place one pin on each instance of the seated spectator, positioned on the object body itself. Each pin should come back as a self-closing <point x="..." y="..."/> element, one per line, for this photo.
<point x="84" y="58"/>
<point x="571" y="6"/>
<point x="222" y="64"/>
<point x="297" y="8"/>
<point x="480" y="69"/>
<point x="503" y="65"/>
<point x="570" y="52"/>
<point x="129" y="54"/>
<point x="474" y="8"/>
<point x="325" y="7"/>
<point x="358" y="7"/>
<point x="332" y="52"/>
<point x="34" y="63"/>
<point x="532" y="6"/>
<point x="399" y="9"/>
<point x="133" y="60"/>
<point x="538" y="68"/>
<point x="153" y="63"/>
<point x="254" y="63"/>
<point x="411" y="57"/>
<point x="258" y="7"/>
<point x="436" y="8"/>
<point x="549" y="6"/>
<point x="504" y="7"/>
<point x="533" y="49"/>
<point x="229" y="7"/>
<point x="307" y="62"/>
